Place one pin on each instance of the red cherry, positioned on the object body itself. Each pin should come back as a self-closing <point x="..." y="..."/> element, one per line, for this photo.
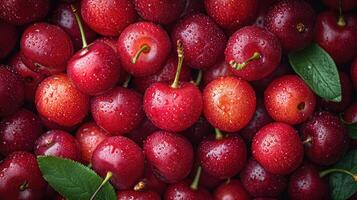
<point x="354" y="73"/>
<point x="182" y="190"/>
<point x="140" y="133"/>
<point x="216" y="71"/>
<point x="8" y="39"/>
<point x="138" y="195"/>
<point x="277" y="147"/>
<point x="229" y="103"/>
<point x="232" y="190"/>
<point x="50" y="125"/>
<point x="150" y="182"/>
<point x="118" y="111"/>
<point x="350" y="114"/>
<point x="122" y="157"/>
<point x="108" y="17"/>
<point x="197" y="132"/>
<point x="21" y="178"/>
<point x="346" y="5"/>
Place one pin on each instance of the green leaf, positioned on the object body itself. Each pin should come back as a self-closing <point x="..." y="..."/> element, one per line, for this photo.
<point x="73" y="180"/>
<point x="352" y="130"/>
<point x="315" y="66"/>
<point x="342" y="185"/>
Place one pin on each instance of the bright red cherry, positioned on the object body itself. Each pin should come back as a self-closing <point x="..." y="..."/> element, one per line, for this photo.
<point x="346" y="5"/>
<point x="122" y="157"/>
<point x="182" y="190"/>
<point x="288" y="99"/>
<point x="278" y="148"/>
<point x="8" y="39"/>
<point x="253" y="53"/>
<point x="231" y="190"/>
<point x="108" y="17"/>
<point x="138" y="195"/>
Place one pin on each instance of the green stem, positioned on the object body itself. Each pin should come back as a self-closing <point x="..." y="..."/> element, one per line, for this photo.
<point x="199" y="78"/>
<point x="333" y="170"/>
<point x="143" y="49"/>
<point x="107" y="178"/>
<point x="196" y="180"/>
<point x="219" y="134"/>
<point x="127" y="81"/>
<point x="80" y="25"/>
<point x="239" y="66"/>
<point x="180" y="52"/>
<point x="341" y="20"/>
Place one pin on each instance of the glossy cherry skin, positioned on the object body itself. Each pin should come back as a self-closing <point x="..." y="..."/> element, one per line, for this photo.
<point x="160" y="11"/>
<point x="89" y="136"/>
<point x="327" y="136"/>
<point x="19" y="132"/>
<point x="182" y="190"/>
<point x="59" y="101"/>
<point x="233" y="190"/>
<point x="354" y="73"/>
<point x="170" y="155"/>
<point x="20" y="168"/>
<point x="288" y="99"/>
<point x="261" y="183"/>
<point x="58" y="143"/>
<point x="306" y="183"/>
<point x="350" y="114"/>
<point x="221" y="68"/>
<point x="11" y="92"/>
<point x="62" y="16"/>
<point x="152" y="182"/>
<point x="232" y="14"/>
<point x="247" y="41"/>
<point x="223" y="158"/>
<point x="122" y="157"/>
<point x="173" y="109"/>
<point x="202" y="39"/>
<point x="140" y="133"/>
<point x="278" y="148"/>
<point x="20" y="12"/>
<point x="347" y="5"/>
<point x="165" y="75"/>
<point x="229" y="103"/>
<point x="292" y="21"/>
<point x="8" y="39"/>
<point x="138" y="195"/>
<point x="337" y="40"/>
<point x="134" y="37"/>
<point x="108" y="17"/>
<point x="95" y="69"/>
<point x="118" y="111"/>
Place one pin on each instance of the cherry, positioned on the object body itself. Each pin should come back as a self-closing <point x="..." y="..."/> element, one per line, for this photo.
<point x="58" y="143"/>
<point x="233" y="189"/>
<point x="292" y="21"/>
<point x="20" y="12"/>
<point x="143" y="48"/>
<point x="277" y="148"/>
<point x="140" y="133"/>
<point x="202" y="39"/>
<point x="336" y="36"/>
<point x="138" y="195"/>
<point x="325" y="138"/>
<point x="150" y="182"/>
<point x="21" y="178"/>
<point x="208" y="181"/>
<point x="253" y="53"/>
<point x="306" y="183"/>
<point x="46" y="47"/>
<point x="118" y="111"/>
<point x="58" y="100"/>
<point x="160" y="11"/>
<point x="11" y="92"/>
<point x="122" y="157"/>
<point x="197" y="132"/>
<point x="263" y="8"/>
<point x="346" y="5"/>
<point x="8" y="39"/>
<point x="19" y="132"/>
<point x="350" y="114"/>
<point x="170" y="155"/>
<point x="229" y="103"/>
<point x="89" y="136"/>
<point x="288" y="99"/>
<point x="354" y="73"/>
<point x="261" y="183"/>
<point x="108" y="17"/>
<point x="50" y="125"/>
<point x="216" y="71"/>
<point x="232" y="14"/>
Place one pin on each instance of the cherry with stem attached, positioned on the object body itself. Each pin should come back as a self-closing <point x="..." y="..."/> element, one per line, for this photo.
<point x="106" y="179"/>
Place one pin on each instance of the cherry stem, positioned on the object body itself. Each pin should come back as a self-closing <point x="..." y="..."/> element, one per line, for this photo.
<point x="24" y="186"/>
<point x="333" y="170"/>
<point x="307" y="140"/>
<point x="139" y="186"/>
<point x="143" y="49"/>
<point x="80" y="25"/>
<point x="239" y="66"/>
<point x="180" y="52"/>
<point x="199" y="78"/>
<point x="340" y="21"/>
<point x="219" y="134"/>
<point x="196" y="180"/>
<point x="127" y="81"/>
<point x="107" y="178"/>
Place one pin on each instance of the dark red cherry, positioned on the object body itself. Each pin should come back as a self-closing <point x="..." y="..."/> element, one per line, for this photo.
<point x="208" y="181"/>
<point x="19" y="132"/>
<point x="20" y="12"/>
<point x="221" y="68"/>
<point x="140" y="133"/>
<point x="292" y="21"/>
<point x="347" y="5"/>
<point x="325" y="138"/>
<point x="278" y="148"/>
<point x="118" y="111"/>
<point x="182" y="190"/>
<point x="202" y="39"/>
<point x="8" y="39"/>
<point x="150" y="182"/>
<point x="122" y="157"/>
<point x="253" y="53"/>
<point x="197" y="132"/>
<point x="21" y="178"/>
<point x="354" y="73"/>
<point x="232" y="14"/>
<point x="108" y="17"/>
<point x="170" y="155"/>
<point x="233" y="190"/>
<point x="46" y="47"/>
<point x="138" y="195"/>
<point x="263" y="8"/>
<point x="350" y="114"/>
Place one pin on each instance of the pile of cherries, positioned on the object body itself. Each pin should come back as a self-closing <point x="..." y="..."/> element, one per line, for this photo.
<point x="178" y="99"/>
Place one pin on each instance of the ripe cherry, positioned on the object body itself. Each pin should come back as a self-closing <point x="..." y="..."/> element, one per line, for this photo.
<point x="140" y="133"/>
<point x="183" y="191"/>
<point x="197" y="132"/>
<point x="350" y="114"/>
<point x="8" y="39"/>
<point x="150" y="182"/>
<point x="221" y="68"/>
<point x="138" y="195"/>
<point x="232" y="189"/>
